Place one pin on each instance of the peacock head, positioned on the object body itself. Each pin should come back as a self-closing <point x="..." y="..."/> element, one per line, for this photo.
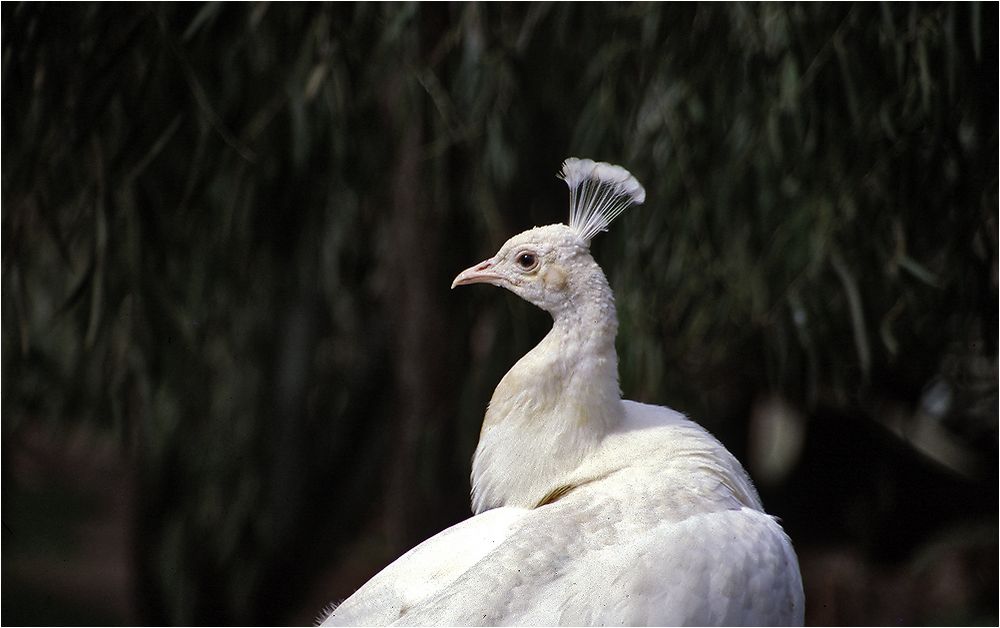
<point x="550" y="266"/>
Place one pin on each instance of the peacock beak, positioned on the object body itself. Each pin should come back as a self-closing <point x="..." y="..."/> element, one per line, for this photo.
<point x="480" y="273"/>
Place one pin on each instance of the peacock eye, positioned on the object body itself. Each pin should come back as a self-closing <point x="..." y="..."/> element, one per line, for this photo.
<point x="527" y="260"/>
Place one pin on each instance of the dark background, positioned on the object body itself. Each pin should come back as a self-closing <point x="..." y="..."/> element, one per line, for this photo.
<point x="236" y="384"/>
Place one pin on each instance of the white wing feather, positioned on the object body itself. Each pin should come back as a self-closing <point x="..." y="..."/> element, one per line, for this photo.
<point x="426" y="570"/>
<point x="654" y="539"/>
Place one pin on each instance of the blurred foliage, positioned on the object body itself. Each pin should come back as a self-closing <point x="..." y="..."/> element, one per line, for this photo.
<point x="229" y="229"/>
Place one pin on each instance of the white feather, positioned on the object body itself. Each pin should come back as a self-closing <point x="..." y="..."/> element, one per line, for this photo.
<point x="599" y="192"/>
<point x="663" y="529"/>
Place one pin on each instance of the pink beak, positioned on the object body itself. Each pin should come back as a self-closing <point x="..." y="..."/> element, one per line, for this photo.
<point x="480" y="273"/>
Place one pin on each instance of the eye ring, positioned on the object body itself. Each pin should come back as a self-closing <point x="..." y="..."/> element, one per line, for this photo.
<point x="526" y="260"/>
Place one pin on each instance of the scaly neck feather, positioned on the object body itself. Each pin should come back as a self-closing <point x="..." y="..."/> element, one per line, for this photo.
<point x="556" y="404"/>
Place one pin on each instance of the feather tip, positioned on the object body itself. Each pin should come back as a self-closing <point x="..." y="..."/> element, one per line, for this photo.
<point x="599" y="192"/>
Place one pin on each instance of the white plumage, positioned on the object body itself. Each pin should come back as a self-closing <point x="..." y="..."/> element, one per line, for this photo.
<point x="589" y="509"/>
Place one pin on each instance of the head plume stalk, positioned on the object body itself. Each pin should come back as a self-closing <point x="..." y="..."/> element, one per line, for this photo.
<point x="598" y="193"/>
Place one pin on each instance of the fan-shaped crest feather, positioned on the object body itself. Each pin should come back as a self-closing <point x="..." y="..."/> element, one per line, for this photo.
<point x="598" y="193"/>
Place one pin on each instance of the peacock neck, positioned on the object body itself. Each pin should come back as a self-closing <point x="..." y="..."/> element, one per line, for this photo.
<point x="555" y="405"/>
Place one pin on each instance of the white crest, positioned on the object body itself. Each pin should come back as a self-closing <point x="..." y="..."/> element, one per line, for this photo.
<point x="598" y="193"/>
